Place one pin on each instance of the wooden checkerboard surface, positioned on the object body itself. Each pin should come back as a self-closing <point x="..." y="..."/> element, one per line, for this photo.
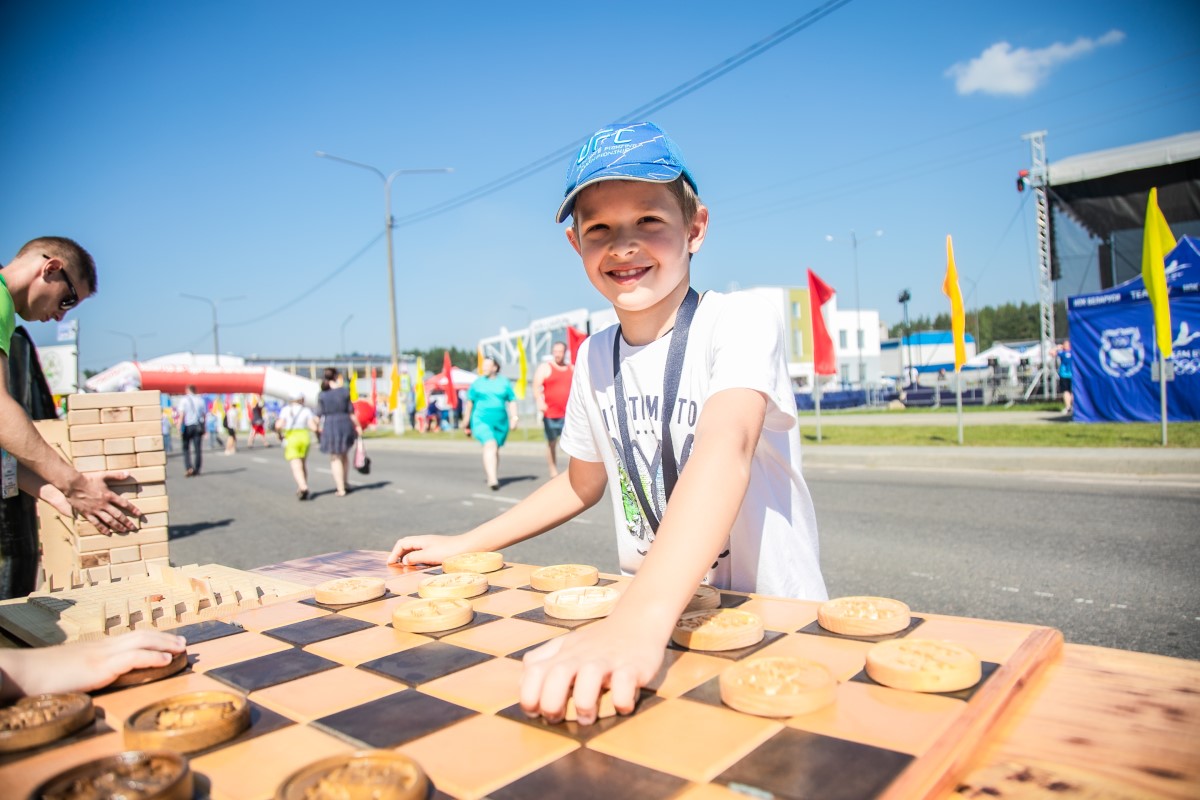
<point x="324" y="680"/>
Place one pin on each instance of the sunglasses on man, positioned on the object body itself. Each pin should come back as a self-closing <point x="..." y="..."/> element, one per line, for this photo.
<point x="72" y="299"/>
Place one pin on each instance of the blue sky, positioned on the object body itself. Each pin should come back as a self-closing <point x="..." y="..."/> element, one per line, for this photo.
<point x="176" y="141"/>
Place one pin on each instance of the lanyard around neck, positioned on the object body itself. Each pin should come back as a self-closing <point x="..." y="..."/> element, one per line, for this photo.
<point x="674" y="367"/>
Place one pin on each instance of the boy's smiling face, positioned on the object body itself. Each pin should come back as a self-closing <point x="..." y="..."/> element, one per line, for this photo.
<point x="635" y="244"/>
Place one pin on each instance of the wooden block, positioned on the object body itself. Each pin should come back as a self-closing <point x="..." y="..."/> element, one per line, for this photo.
<point x="152" y="490"/>
<point x="95" y="447"/>
<point x="123" y="555"/>
<point x="144" y="443"/>
<point x="92" y="544"/>
<point x="128" y="492"/>
<point x="146" y="397"/>
<point x="151" y="458"/>
<point x="128" y="570"/>
<point x="90" y="560"/>
<point x="142" y="475"/>
<point x="154" y="550"/>
<point x="152" y="505"/>
<point x="89" y="542"/>
<point x="118" y="447"/>
<point x="98" y="574"/>
<point x="89" y="416"/>
<point x="90" y="463"/>
<point x="156" y="520"/>
<point x="116" y="430"/>
<point x="108" y="415"/>
<point x="147" y="414"/>
<point x="127" y="461"/>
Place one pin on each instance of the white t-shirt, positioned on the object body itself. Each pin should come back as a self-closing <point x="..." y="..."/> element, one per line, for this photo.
<point x="296" y="417"/>
<point x="736" y="341"/>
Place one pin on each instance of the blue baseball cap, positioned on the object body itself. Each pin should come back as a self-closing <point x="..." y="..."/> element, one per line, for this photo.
<point x="638" y="151"/>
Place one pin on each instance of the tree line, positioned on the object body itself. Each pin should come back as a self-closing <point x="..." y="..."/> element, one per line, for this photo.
<point x="990" y="324"/>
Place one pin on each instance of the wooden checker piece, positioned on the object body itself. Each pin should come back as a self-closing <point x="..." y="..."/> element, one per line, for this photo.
<point x="604" y="708"/>
<point x="145" y="776"/>
<point x="362" y="775"/>
<point x="581" y="602"/>
<point x="348" y="591"/>
<point x="923" y="665"/>
<point x="188" y="722"/>
<point x="430" y="615"/>
<point x="42" y="718"/>
<point x="718" y="629"/>
<point x="473" y="562"/>
<point x="863" y="616"/>
<point x="777" y="686"/>
<point x="136" y="677"/>
<point x="704" y="598"/>
<point x="453" y="585"/>
<point x="563" y="576"/>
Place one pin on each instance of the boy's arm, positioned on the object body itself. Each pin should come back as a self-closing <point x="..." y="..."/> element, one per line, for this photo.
<point x="539" y="386"/>
<point x="558" y="500"/>
<point x="87" y="494"/>
<point x="625" y="650"/>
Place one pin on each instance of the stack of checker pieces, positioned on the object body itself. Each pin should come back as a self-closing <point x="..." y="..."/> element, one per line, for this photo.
<point x="114" y="431"/>
<point x="324" y="681"/>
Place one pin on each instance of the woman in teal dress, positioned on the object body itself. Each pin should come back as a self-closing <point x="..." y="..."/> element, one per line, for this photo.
<point x="491" y="411"/>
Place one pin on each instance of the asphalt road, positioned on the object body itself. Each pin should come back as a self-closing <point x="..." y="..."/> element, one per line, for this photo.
<point x="1108" y="560"/>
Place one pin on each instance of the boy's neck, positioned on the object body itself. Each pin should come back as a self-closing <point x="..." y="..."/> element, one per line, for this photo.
<point x="650" y="324"/>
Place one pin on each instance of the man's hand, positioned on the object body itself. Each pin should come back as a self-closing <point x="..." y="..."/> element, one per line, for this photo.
<point x="84" y="666"/>
<point x="582" y="664"/>
<point x="89" y="496"/>
<point x="428" y="549"/>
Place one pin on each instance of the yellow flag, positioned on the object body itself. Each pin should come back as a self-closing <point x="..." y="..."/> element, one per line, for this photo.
<point x="523" y="363"/>
<point x="394" y="391"/>
<point x="958" y="320"/>
<point x="353" y="384"/>
<point x="479" y="359"/>
<point x="419" y="388"/>
<point x="1156" y="243"/>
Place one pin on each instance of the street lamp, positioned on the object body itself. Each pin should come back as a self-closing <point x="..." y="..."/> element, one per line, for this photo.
<point x="904" y="297"/>
<point x="388" y="223"/>
<point x="132" y="339"/>
<point x="859" y="336"/>
<point x="213" y="303"/>
<point x="344" y="322"/>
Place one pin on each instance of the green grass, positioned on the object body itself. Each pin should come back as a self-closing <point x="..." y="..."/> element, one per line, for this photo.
<point x="825" y="412"/>
<point x="1067" y="434"/>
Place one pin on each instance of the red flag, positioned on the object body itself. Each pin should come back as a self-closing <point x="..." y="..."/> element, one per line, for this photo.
<point x="575" y="338"/>
<point x="447" y="372"/>
<point x="374" y="394"/>
<point x="820" y="293"/>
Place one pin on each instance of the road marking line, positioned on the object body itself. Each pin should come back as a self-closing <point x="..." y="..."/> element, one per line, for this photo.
<point x="1082" y="600"/>
<point x="509" y="500"/>
<point x="1044" y="594"/>
<point x="259" y="460"/>
<point x="398" y="491"/>
<point x="1010" y="589"/>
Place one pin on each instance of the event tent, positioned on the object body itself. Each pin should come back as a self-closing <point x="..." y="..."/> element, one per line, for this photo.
<point x="1112" y="338"/>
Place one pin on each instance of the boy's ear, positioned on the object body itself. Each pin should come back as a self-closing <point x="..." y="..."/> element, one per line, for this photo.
<point x="698" y="229"/>
<point x="573" y="239"/>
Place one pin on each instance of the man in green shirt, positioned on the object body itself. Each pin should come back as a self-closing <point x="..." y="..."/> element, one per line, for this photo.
<point x="48" y="277"/>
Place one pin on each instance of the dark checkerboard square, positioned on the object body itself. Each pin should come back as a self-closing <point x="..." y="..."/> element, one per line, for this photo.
<point x="587" y="775"/>
<point x="97" y="727"/>
<point x="318" y="630"/>
<point x="259" y="673"/>
<point x="540" y="615"/>
<point x="199" y="632"/>
<point x="425" y="663"/>
<point x="393" y="720"/>
<point x="800" y="766"/>
<point x="986" y="668"/>
<point x="262" y="721"/>
<point x="581" y="733"/>
<point x="734" y="655"/>
<point x="600" y="582"/>
<point x="815" y="629"/>
<point x="312" y="601"/>
<point x="732" y="600"/>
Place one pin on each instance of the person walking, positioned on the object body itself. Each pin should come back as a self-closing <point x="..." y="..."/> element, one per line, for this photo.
<point x="230" y="423"/>
<point x="1066" y="371"/>
<point x="296" y="424"/>
<point x="192" y="418"/>
<point x="339" y="427"/>
<point x="551" y="387"/>
<point x="257" y="425"/>
<point x="491" y="411"/>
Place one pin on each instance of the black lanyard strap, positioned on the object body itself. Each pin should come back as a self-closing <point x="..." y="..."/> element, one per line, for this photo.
<point x="674" y="368"/>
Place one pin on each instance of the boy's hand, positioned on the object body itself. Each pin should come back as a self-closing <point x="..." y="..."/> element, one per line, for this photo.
<point x="583" y="663"/>
<point x="91" y="498"/>
<point x="85" y="666"/>
<point x="428" y="549"/>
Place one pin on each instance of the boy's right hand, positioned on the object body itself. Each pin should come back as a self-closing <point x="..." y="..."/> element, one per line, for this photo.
<point x="428" y="549"/>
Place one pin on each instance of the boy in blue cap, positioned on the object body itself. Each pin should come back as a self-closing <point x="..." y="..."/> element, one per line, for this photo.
<point x="683" y="380"/>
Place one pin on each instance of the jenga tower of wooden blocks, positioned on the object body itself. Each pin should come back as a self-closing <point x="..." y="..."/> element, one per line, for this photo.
<point x="121" y="431"/>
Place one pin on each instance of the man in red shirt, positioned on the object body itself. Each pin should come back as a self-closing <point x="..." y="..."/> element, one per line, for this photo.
<point x="551" y="386"/>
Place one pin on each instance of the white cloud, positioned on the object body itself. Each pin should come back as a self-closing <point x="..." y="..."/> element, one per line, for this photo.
<point x="1002" y="70"/>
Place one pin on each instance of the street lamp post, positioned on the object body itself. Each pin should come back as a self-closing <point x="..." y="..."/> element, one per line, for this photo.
<point x="388" y="225"/>
<point x="213" y="303"/>
<point x="859" y="335"/>
<point x="132" y="340"/>
<point x="905" y="296"/>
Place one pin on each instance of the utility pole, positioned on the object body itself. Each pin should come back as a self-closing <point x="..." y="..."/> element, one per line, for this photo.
<point x="1037" y="177"/>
